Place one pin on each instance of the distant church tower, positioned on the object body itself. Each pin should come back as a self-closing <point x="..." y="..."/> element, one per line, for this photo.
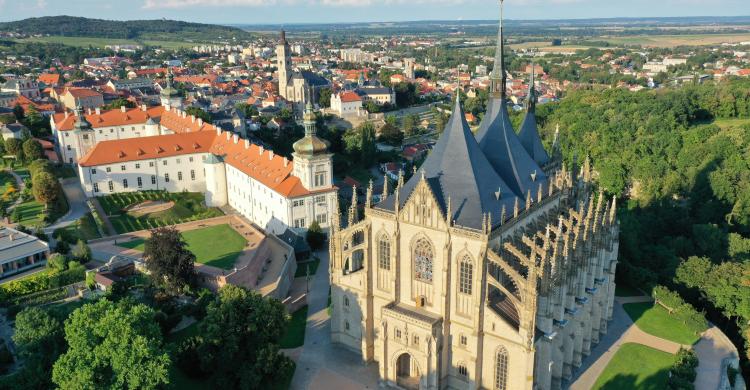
<point x="283" y="64"/>
<point x="170" y="96"/>
<point x="313" y="164"/>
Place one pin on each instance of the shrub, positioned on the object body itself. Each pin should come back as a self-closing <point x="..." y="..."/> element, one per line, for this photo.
<point x="57" y="262"/>
<point x="188" y="357"/>
<point x="315" y="236"/>
<point x="682" y="373"/>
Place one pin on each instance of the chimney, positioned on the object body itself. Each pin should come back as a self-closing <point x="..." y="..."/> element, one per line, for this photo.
<point x="143" y="107"/>
<point x="235" y="138"/>
<point x="247" y="144"/>
<point x="260" y="150"/>
<point x="89" y="110"/>
<point x="66" y="114"/>
<point x="168" y="107"/>
<point x="270" y="154"/>
<point x="200" y="122"/>
<point x="98" y="111"/>
<point x="122" y="109"/>
<point x="192" y="118"/>
<point x="286" y="162"/>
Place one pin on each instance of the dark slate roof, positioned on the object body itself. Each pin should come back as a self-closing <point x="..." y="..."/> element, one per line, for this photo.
<point x="374" y="90"/>
<point x="457" y="169"/>
<point x="313" y="79"/>
<point x="529" y="134"/>
<point x="506" y="153"/>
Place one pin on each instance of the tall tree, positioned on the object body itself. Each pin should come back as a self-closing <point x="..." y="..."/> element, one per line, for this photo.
<point x="241" y="332"/>
<point x="32" y="149"/>
<point x="14" y="146"/>
<point x="112" y="346"/>
<point x="167" y="258"/>
<point x="39" y="340"/>
<point x="46" y="189"/>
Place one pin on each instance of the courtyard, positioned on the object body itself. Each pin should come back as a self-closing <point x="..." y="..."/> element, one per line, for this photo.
<point x="218" y="246"/>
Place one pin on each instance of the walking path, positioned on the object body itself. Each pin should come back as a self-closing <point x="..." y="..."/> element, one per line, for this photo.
<point x="20" y="186"/>
<point x="711" y="349"/>
<point x="105" y="218"/>
<point x="322" y="365"/>
<point x="76" y="202"/>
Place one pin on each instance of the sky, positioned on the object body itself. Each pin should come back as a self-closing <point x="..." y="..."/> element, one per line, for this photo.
<point x="341" y="11"/>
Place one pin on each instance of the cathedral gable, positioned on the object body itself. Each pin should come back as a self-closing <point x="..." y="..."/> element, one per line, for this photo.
<point x="422" y="208"/>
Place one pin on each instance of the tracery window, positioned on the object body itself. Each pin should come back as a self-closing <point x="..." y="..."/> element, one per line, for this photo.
<point x="501" y="369"/>
<point x="462" y="370"/>
<point x="423" y="261"/>
<point x="465" y="274"/>
<point x="384" y="253"/>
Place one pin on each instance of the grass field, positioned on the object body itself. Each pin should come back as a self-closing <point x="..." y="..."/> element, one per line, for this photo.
<point x="636" y="366"/>
<point x="204" y="245"/>
<point x="102" y="42"/>
<point x="295" y="332"/>
<point x="84" y="228"/>
<point x="657" y="321"/>
<point x="676" y="40"/>
<point x="732" y="122"/>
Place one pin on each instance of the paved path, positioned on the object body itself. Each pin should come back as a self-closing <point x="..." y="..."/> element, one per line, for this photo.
<point x="20" y="186"/>
<point x="711" y="349"/>
<point x="322" y="365"/>
<point x="109" y="228"/>
<point x="76" y="202"/>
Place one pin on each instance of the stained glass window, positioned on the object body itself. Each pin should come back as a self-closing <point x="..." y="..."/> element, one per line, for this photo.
<point x="384" y="253"/>
<point x="423" y="261"/>
<point x="464" y="276"/>
<point x="501" y="369"/>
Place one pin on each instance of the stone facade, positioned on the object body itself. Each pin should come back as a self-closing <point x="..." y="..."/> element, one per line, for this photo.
<point x="443" y="306"/>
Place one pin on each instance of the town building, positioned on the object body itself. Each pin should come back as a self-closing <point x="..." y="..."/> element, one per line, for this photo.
<point x="21" y="87"/>
<point x="20" y="252"/>
<point x="83" y="97"/>
<point x="294" y="84"/>
<point x="484" y="270"/>
<point x="346" y="103"/>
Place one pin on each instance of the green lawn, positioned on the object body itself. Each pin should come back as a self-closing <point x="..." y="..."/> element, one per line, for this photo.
<point x="657" y="321"/>
<point x="84" y="229"/>
<point x="302" y="268"/>
<point x="295" y="332"/>
<point x="203" y="244"/>
<point x="731" y="122"/>
<point x="636" y="366"/>
<point x="623" y="290"/>
<point x="188" y="207"/>
<point x="29" y="213"/>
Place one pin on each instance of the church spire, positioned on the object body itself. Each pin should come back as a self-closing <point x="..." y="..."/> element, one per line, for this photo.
<point x="497" y="79"/>
<point x="531" y="100"/>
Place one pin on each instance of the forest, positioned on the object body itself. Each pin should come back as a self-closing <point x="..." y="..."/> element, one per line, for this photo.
<point x="679" y="161"/>
<point x="71" y="26"/>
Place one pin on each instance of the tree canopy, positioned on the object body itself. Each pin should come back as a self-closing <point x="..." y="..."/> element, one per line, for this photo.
<point x="168" y="260"/>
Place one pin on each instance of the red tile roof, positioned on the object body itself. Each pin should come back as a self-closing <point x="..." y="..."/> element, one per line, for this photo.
<point x="109" y="118"/>
<point x="349" y="97"/>
<point x="49" y="78"/>
<point x="82" y="92"/>
<point x="146" y="148"/>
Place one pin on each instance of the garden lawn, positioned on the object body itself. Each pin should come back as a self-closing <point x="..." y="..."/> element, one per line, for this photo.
<point x="84" y="229"/>
<point x="623" y="290"/>
<point x="657" y="321"/>
<point x="295" y="332"/>
<point x="30" y="213"/>
<point x="204" y="243"/>
<point x="188" y="207"/>
<point x="302" y="268"/>
<point x="636" y="366"/>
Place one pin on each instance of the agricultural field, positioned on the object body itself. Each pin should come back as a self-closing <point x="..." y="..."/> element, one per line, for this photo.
<point x="102" y="42"/>
<point x="203" y="244"/>
<point x="676" y="40"/>
<point x="185" y="206"/>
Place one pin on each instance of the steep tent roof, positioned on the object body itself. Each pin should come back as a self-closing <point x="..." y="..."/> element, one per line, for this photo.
<point x="529" y="134"/>
<point x="458" y="170"/>
<point x="499" y="141"/>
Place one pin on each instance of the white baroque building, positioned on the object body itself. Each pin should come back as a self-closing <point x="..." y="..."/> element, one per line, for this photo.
<point x="491" y="268"/>
<point x="162" y="148"/>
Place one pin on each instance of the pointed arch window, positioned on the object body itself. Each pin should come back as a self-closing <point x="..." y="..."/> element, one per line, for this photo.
<point x="501" y="369"/>
<point x="423" y="257"/>
<point x="384" y="252"/>
<point x="465" y="275"/>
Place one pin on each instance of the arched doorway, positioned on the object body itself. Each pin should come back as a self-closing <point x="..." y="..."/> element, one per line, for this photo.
<point x="407" y="372"/>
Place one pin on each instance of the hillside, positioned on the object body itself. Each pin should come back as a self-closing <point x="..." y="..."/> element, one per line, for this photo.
<point x="71" y="26"/>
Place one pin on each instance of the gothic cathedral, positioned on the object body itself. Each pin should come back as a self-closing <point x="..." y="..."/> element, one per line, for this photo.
<point x="491" y="268"/>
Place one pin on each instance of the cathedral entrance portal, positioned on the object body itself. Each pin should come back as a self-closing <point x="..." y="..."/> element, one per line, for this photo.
<point x="407" y="372"/>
